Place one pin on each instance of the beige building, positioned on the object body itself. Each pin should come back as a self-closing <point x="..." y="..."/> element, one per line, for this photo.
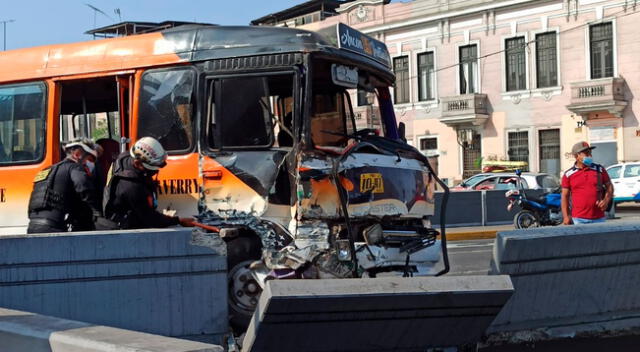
<point x="518" y="80"/>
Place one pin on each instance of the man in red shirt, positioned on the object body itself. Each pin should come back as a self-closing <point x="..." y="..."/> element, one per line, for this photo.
<point x="589" y="187"/>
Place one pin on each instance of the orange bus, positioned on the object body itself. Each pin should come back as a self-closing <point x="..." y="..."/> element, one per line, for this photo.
<point x="262" y="137"/>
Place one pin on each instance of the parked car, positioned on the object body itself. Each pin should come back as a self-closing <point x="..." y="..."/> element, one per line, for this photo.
<point x="507" y="181"/>
<point x="626" y="181"/>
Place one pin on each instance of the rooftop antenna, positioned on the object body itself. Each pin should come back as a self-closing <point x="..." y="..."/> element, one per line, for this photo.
<point x="97" y="11"/>
<point x="117" y="12"/>
<point x="4" y="32"/>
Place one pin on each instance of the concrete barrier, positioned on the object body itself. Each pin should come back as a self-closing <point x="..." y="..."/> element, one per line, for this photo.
<point x="163" y="282"/>
<point x="21" y="331"/>
<point x="570" y="280"/>
<point x="480" y="208"/>
<point x="384" y="314"/>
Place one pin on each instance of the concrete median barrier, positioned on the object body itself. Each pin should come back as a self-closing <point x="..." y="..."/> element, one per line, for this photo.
<point x="570" y="280"/>
<point x="164" y="281"/>
<point x="22" y="331"/>
<point x="384" y="314"/>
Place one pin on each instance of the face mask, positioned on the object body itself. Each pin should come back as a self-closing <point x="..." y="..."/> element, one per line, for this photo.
<point x="90" y="165"/>
<point x="587" y="160"/>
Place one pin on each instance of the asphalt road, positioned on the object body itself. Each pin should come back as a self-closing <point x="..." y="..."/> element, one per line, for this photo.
<point x="470" y="257"/>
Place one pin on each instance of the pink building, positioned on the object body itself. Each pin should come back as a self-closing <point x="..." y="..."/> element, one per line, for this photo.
<point x="518" y="80"/>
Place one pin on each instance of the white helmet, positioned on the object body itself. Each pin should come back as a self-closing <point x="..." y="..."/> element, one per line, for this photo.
<point x="86" y="144"/>
<point x="150" y="152"/>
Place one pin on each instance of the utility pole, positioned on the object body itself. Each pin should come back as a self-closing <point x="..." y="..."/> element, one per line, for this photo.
<point x="4" y="32"/>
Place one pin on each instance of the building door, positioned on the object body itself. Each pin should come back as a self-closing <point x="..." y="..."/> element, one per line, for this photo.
<point x="606" y="153"/>
<point x="549" y="141"/>
<point x="604" y="139"/>
<point x="471" y="153"/>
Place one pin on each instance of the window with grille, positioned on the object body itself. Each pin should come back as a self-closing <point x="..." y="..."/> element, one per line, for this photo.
<point x="429" y="145"/>
<point x="516" y="64"/>
<point x="601" y="40"/>
<point x="546" y="60"/>
<point x="425" y="76"/>
<point x="549" y="141"/>
<point x="519" y="147"/>
<point x="401" y="87"/>
<point x="468" y="69"/>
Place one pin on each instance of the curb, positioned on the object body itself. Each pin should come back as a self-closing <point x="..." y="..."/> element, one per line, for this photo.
<point x="472" y="235"/>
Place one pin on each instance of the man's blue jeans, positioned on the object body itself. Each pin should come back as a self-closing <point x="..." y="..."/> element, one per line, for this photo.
<point x="579" y="221"/>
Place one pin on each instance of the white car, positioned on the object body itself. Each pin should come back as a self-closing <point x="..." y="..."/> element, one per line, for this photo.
<point x="626" y="181"/>
<point x="504" y="181"/>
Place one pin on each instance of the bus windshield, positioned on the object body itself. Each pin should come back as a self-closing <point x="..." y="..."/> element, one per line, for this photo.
<point x="344" y="103"/>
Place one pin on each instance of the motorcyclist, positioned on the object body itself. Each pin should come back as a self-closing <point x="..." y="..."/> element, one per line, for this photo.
<point x="130" y="198"/>
<point x="63" y="196"/>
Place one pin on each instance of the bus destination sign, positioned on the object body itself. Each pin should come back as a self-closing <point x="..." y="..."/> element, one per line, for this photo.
<point x="353" y="40"/>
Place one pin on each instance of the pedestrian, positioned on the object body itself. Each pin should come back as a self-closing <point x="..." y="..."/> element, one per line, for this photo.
<point x="63" y="196"/>
<point x="130" y="198"/>
<point x="586" y="188"/>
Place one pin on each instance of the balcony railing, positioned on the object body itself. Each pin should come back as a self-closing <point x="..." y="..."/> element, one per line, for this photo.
<point x="599" y="95"/>
<point x="464" y="109"/>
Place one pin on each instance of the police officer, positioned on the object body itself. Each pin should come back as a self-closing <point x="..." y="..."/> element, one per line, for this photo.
<point x="130" y="198"/>
<point x="63" y="195"/>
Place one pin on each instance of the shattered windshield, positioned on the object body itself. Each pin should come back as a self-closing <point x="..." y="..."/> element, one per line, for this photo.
<point x="166" y="107"/>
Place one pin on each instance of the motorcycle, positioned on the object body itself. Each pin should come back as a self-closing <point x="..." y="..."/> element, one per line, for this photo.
<point x="543" y="210"/>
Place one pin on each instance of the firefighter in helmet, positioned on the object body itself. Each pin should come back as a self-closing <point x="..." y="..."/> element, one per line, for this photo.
<point x="130" y="198"/>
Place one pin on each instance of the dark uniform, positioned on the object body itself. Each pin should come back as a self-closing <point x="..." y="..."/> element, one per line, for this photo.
<point x="63" y="195"/>
<point x="130" y="197"/>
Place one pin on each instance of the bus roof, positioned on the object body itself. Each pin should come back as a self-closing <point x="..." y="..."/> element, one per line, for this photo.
<point x="175" y="45"/>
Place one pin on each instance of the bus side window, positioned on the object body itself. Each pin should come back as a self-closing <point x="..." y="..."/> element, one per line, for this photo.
<point x="22" y="123"/>
<point x="167" y="108"/>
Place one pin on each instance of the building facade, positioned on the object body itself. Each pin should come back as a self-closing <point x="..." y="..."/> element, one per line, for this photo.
<point x="509" y="80"/>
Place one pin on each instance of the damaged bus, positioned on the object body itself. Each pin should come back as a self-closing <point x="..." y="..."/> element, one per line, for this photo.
<point x="262" y="138"/>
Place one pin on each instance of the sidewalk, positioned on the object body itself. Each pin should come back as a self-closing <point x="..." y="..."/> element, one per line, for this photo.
<point x="624" y="212"/>
<point x="475" y="232"/>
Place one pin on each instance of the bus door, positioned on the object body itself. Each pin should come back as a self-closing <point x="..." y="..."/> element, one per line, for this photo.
<point x="166" y="110"/>
<point x="250" y="136"/>
<point x="24" y="136"/>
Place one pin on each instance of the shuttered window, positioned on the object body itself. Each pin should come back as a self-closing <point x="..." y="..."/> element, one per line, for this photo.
<point x="425" y="76"/>
<point x="601" y="40"/>
<point x="546" y="60"/>
<point x="516" y="64"/>
<point x="401" y="87"/>
<point x="468" y="69"/>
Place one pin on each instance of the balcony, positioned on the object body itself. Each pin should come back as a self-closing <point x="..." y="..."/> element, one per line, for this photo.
<point x="598" y="95"/>
<point x="464" y="110"/>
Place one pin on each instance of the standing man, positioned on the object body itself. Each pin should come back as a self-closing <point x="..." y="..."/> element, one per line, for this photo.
<point x="130" y="198"/>
<point x="587" y="187"/>
<point x="63" y="195"/>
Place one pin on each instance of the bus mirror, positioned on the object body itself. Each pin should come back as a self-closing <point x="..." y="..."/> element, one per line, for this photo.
<point x="402" y="131"/>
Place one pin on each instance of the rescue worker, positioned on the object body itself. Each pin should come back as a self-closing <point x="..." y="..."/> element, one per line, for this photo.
<point x="130" y="199"/>
<point x="64" y="196"/>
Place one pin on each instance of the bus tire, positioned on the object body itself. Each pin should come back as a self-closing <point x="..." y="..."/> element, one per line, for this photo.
<point x="244" y="292"/>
